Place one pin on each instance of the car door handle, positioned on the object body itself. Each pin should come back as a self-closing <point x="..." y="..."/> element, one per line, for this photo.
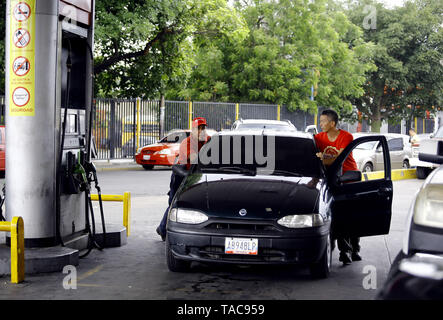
<point x="384" y="191"/>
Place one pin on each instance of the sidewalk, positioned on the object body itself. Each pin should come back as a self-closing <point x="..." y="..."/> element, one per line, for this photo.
<point x="116" y="164"/>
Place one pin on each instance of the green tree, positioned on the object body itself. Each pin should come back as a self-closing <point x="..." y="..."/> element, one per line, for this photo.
<point x="291" y="47"/>
<point x="408" y="53"/>
<point x="144" y="47"/>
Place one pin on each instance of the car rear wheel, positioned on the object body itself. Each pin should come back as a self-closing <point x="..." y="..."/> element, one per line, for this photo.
<point x="321" y="269"/>
<point x="148" y="166"/>
<point x="422" y="172"/>
<point x="368" y="167"/>
<point x="174" y="264"/>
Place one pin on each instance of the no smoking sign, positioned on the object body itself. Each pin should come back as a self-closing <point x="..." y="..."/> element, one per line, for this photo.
<point x="22" y="11"/>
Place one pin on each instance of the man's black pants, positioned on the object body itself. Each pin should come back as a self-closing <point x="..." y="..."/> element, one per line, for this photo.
<point x="348" y="244"/>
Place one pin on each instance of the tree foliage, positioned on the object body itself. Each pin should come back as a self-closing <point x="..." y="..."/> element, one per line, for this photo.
<point x="292" y="46"/>
<point x="144" y="47"/>
<point x="272" y="51"/>
<point x="408" y="42"/>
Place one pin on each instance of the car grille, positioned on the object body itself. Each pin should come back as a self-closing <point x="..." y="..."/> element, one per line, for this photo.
<point x="265" y="255"/>
<point x="240" y="226"/>
<point x="148" y="152"/>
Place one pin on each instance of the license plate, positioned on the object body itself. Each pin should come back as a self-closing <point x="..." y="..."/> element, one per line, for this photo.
<point x="241" y="246"/>
<point x="145" y="157"/>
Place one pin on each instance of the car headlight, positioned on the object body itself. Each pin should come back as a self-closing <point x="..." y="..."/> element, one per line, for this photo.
<point x="164" y="151"/>
<point x="187" y="216"/>
<point x="139" y="150"/>
<point x="428" y="210"/>
<point x="302" y="221"/>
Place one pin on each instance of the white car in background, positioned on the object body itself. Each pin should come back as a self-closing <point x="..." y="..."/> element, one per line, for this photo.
<point x="426" y="146"/>
<point x="369" y="156"/>
<point x="257" y="124"/>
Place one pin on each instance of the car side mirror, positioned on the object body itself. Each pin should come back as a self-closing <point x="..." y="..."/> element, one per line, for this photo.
<point x="423" y="265"/>
<point x="351" y="176"/>
<point x="311" y="129"/>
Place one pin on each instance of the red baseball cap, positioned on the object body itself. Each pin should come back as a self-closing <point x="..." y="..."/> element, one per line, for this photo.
<point x="199" y="121"/>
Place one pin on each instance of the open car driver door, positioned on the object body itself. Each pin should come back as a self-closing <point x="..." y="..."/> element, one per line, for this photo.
<point x="360" y="208"/>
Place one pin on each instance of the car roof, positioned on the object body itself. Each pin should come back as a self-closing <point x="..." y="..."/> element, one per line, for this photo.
<point x="387" y="135"/>
<point x="268" y="132"/>
<point x="212" y="131"/>
<point x="258" y="121"/>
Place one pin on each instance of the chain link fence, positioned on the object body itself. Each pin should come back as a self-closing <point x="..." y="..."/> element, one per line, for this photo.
<point x="120" y="126"/>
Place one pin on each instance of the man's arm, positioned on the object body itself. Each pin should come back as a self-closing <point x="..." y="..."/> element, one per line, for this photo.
<point x="328" y="159"/>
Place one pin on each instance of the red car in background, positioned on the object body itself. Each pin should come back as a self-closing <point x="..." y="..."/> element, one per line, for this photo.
<point x="164" y="152"/>
<point x="2" y="147"/>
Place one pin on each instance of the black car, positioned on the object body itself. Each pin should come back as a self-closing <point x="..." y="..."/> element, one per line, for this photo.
<point x="265" y="198"/>
<point x="417" y="271"/>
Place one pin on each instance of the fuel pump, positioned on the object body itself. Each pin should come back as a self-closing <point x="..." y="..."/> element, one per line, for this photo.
<point x="49" y="103"/>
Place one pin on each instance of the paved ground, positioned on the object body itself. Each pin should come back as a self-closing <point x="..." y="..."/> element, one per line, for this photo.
<point x="138" y="270"/>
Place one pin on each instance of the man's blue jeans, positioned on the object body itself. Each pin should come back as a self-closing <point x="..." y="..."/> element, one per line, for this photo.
<point x="173" y="187"/>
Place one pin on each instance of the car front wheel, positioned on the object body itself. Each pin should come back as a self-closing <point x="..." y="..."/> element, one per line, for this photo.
<point x="321" y="269"/>
<point x="174" y="264"/>
<point x="406" y="164"/>
<point x="368" y="167"/>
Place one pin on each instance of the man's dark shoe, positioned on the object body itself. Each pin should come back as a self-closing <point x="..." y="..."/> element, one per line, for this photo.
<point x="345" y="258"/>
<point x="355" y="256"/>
<point x="163" y="236"/>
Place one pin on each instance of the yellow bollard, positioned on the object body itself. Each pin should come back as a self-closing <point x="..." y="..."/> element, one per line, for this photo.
<point x="17" y="230"/>
<point x="127" y="211"/>
<point x="126" y="199"/>
<point x="17" y="250"/>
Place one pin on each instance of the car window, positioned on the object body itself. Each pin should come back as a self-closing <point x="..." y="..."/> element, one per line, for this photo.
<point x="175" y="137"/>
<point x="289" y="156"/>
<point x="366" y="146"/>
<point x="395" y="144"/>
<point x="280" y="127"/>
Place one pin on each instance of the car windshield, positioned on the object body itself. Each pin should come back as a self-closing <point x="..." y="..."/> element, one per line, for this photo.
<point x="367" y="145"/>
<point x="272" y="126"/>
<point x="439" y="133"/>
<point x="256" y="154"/>
<point x="175" y="137"/>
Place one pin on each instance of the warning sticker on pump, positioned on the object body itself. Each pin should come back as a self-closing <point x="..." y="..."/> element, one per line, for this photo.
<point x="22" y="58"/>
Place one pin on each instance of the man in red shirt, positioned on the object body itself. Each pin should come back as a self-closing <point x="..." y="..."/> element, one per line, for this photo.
<point x="188" y="154"/>
<point x="331" y="142"/>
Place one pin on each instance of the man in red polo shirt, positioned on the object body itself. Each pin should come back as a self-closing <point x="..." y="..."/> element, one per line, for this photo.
<point x="188" y="154"/>
<point x="331" y="142"/>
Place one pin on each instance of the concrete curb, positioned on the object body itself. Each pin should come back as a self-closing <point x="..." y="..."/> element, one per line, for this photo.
<point x="115" y="165"/>
<point x="398" y="174"/>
